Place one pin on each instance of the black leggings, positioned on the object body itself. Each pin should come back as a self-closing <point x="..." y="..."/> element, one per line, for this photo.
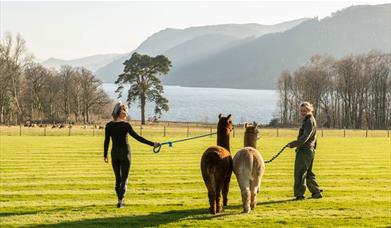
<point x="121" y="167"/>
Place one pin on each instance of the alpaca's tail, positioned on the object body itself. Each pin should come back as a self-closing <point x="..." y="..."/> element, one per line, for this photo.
<point x="255" y="171"/>
<point x="209" y="177"/>
<point x="258" y="169"/>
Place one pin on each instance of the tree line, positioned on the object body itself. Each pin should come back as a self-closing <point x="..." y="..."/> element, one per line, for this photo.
<point x="352" y="92"/>
<point x="29" y="91"/>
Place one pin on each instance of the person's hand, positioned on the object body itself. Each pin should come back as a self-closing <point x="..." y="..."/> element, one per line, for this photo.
<point x="106" y="159"/>
<point x="156" y="144"/>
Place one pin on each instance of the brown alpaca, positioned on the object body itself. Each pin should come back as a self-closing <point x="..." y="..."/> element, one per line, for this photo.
<point x="216" y="166"/>
<point x="249" y="167"/>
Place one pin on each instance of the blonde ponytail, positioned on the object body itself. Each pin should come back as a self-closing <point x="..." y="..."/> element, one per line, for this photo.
<point x="308" y="106"/>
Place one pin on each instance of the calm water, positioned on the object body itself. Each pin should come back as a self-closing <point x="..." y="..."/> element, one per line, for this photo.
<point x="204" y="104"/>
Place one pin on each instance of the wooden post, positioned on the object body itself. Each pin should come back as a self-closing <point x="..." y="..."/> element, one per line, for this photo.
<point x="141" y="130"/>
<point x="277" y="132"/>
<point x="322" y="132"/>
<point x="69" y="131"/>
<point x="44" y="131"/>
<point x="93" y="131"/>
<point x="388" y="130"/>
<point x="164" y="131"/>
<point x="188" y="130"/>
<point x="366" y="133"/>
<point x="344" y="132"/>
<point x="20" y="130"/>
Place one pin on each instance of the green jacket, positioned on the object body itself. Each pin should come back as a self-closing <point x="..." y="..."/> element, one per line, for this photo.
<point x="307" y="134"/>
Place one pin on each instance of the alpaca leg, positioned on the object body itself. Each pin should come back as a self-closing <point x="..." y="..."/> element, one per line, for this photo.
<point x="253" y="190"/>
<point x="210" y="185"/>
<point x="212" y="202"/>
<point x="245" y="191"/>
<point x="219" y="207"/>
<point x="246" y="199"/>
<point x="225" y="190"/>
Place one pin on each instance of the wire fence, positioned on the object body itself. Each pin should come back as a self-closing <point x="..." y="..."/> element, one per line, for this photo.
<point x="181" y="130"/>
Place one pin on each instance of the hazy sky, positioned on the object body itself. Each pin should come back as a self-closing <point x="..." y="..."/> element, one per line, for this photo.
<point x="70" y="30"/>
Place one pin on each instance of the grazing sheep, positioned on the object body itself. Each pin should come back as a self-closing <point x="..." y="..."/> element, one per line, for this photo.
<point x="249" y="167"/>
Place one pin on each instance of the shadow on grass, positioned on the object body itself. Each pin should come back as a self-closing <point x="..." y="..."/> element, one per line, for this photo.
<point x="149" y="220"/>
<point x="45" y="210"/>
<point x="276" y="201"/>
<point x="152" y="219"/>
<point x="5" y="214"/>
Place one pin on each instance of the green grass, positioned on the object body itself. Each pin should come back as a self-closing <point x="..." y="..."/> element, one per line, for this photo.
<point x="63" y="181"/>
<point x="181" y="130"/>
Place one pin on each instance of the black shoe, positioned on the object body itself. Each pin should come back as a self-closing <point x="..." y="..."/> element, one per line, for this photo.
<point x="118" y="205"/>
<point x="317" y="195"/>
<point x="300" y="197"/>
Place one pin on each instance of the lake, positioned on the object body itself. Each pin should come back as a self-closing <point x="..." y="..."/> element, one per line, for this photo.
<point x="204" y="104"/>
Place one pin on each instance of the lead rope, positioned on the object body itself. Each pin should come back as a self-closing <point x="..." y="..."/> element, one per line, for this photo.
<point x="278" y="154"/>
<point x="170" y="143"/>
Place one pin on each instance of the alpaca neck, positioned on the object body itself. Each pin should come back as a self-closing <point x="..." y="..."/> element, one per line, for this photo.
<point x="223" y="141"/>
<point x="250" y="140"/>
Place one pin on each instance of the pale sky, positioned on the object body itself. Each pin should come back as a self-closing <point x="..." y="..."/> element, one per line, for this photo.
<point x="69" y="30"/>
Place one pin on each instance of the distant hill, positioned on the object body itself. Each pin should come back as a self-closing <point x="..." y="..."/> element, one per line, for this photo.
<point x="258" y="63"/>
<point x="253" y="55"/>
<point x="191" y="44"/>
<point x="92" y="63"/>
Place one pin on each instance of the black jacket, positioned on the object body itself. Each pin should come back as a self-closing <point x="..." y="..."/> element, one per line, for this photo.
<point x="307" y="134"/>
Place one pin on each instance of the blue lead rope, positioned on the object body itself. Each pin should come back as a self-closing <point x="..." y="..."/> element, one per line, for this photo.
<point x="171" y="143"/>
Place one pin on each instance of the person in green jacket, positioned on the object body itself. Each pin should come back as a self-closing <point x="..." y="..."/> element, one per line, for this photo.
<point x="305" y="153"/>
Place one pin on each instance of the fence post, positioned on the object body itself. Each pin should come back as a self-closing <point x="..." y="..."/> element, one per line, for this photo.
<point x="388" y="130"/>
<point x="164" y="131"/>
<point x="322" y="132"/>
<point x="366" y="133"/>
<point x="141" y="130"/>
<point x="344" y="132"/>
<point x="69" y="131"/>
<point x="93" y="131"/>
<point x="188" y="133"/>
<point x="20" y="129"/>
<point x="44" y="131"/>
<point x="277" y="132"/>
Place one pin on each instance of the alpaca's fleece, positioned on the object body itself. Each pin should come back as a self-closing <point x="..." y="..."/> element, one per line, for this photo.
<point x="249" y="167"/>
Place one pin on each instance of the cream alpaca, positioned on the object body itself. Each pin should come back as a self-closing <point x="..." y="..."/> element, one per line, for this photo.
<point x="249" y="167"/>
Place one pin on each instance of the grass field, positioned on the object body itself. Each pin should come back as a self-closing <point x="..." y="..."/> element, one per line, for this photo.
<point x="63" y="181"/>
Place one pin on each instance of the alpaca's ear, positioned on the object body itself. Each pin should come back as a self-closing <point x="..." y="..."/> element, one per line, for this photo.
<point x="229" y="116"/>
<point x="245" y="125"/>
<point x="220" y="115"/>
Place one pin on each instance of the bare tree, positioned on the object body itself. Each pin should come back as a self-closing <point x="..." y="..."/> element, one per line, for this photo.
<point x="352" y="92"/>
<point x="92" y="95"/>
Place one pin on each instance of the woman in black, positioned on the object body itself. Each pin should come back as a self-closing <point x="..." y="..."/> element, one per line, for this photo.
<point x="305" y="153"/>
<point x="118" y="130"/>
